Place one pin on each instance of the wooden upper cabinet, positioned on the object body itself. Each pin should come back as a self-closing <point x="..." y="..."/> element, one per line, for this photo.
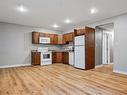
<point x="78" y="32"/>
<point x="54" y="38"/>
<point x="42" y="34"/>
<point x="90" y="36"/>
<point x="60" y="39"/>
<point x="35" y="37"/>
<point x="51" y="38"/>
<point x="69" y="37"/>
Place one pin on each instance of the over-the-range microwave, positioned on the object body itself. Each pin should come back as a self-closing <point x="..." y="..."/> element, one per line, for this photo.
<point x="44" y="40"/>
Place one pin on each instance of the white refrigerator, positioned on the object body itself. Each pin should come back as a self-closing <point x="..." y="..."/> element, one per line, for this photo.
<point x="79" y="52"/>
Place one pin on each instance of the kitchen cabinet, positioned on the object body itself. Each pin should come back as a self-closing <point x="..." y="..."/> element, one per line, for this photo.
<point x="66" y="57"/>
<point x="51" y="39"/>
<point x="42" y="35"/>
<point x="60" y="57"/>
<point x="79" y="32"/>
<point x="60" y="39"/>
<point x="35" y="37"/>
<point x="69" y="37"/>
<point x="90" y="47"/>
<point x="35" y="58"/>
<point x="55" y="39"/>
<point x="57" y="57"/>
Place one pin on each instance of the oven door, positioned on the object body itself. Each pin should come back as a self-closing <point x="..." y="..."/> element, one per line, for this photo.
<point x="46" y="58"/>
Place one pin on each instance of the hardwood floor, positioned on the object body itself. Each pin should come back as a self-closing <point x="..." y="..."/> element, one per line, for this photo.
<point x="60" y="79"/>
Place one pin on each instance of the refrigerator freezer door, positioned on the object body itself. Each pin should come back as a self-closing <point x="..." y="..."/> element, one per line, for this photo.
<point x="80" y="57"/>
<point x="80" y="40"/>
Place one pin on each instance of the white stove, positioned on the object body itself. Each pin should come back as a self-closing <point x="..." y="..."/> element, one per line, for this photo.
<point x="46" y="56"/>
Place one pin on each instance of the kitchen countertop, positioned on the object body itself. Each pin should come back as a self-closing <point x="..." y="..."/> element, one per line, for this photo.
<point x="34" y="51"/>
<point x="61" y="50"/>
<point x="56" y="50"/>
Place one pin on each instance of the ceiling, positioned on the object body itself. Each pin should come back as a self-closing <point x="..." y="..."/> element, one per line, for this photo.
<point x="45" y="13"/>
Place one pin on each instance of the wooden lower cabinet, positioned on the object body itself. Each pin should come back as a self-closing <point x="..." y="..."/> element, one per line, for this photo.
<point x="57" y="57"/>
<point x="66" y="57"/>
<point x="60" y="57"/>
<point x="35" y="58"/>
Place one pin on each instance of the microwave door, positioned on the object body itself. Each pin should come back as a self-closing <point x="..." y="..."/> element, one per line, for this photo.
<point x="44" y="40"/>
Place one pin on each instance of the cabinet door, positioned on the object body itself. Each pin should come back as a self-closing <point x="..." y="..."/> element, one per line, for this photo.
<point x="79" y="32"/>
<point x="60" y="39"/>
<point x="35" y="37"/>
<point x="59" y="57"/>
<point x="55" y="39"/>
<point x="64" y="39"/>
<point x="69" y="37"/>
<point x="52" y="39"/>
<point x="66" y="57"/>
<point x="36" y="58"/>
<point x="90" y="57"/>
<point x="90" y="48"/>
<point x="53" y="57"/>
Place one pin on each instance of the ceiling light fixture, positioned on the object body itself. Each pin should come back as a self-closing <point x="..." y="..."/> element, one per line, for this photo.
<point x="55" y="26"/>
<point x="93" y="11"/>
<point x="67" y="21"/>
<point x="21" y="8"/>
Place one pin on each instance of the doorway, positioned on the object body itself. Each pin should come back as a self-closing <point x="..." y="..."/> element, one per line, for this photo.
<point x="104" y="39"/>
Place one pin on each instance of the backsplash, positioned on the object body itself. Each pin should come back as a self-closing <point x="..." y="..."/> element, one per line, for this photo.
<point x="50" y="47"/>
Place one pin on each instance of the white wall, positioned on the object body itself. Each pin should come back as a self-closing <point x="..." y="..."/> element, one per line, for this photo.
<point x="16" y="44"/>
<point x="98" y="46"/>
<point x="120" y="45"/>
